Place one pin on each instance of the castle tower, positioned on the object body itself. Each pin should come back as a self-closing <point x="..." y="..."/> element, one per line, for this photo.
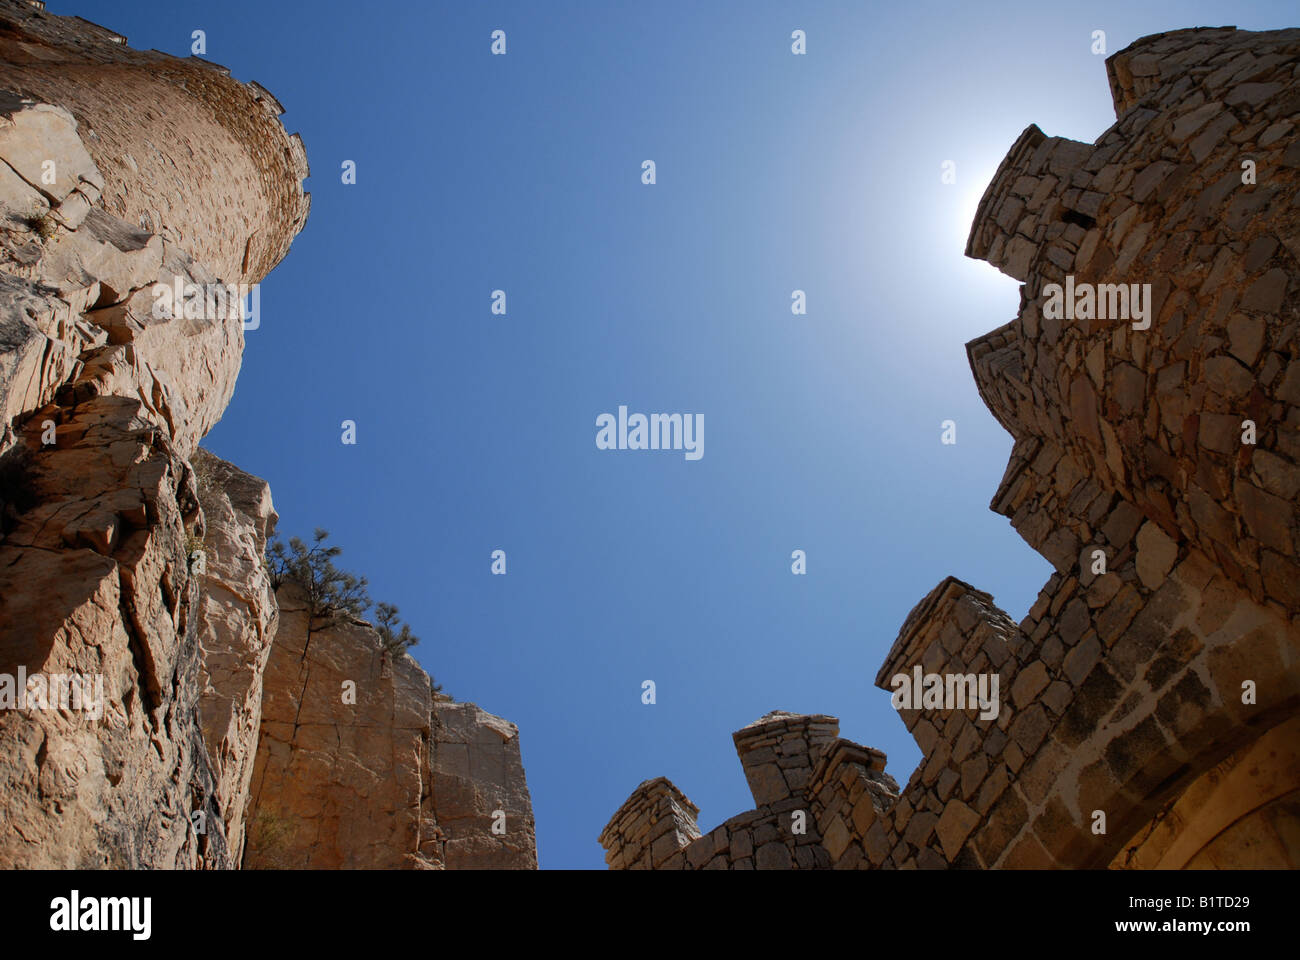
<point x="1143" y="700"/>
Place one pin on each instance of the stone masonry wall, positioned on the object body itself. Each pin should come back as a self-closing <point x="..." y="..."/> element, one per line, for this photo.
<point x="1156" y="466"/>
<point x="1242" y="812"/>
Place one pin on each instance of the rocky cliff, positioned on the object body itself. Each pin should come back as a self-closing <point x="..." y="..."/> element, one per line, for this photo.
<point x="361" y="765"/>
<point x="154" y="697"/>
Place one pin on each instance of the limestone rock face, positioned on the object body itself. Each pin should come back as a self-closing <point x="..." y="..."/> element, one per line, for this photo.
<point x="102" y="401"/>
<point x="338" y="783"/>
<point x="95" y="581"/>
<point x="480" y="801"/>
<point x="236" y="621"/>
<point x="359" y="766"/>
<point x="136" y="613"/>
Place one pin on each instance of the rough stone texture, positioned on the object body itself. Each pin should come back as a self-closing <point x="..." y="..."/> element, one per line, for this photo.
<point x="805" y="783"/>
<point x="338" y="784"/>
<point x="1122" y="690"/>
<point x="96" y="580"/>
<point x="475" y="770"/>
<point x="237" y="619"/>
<point x="1237" y="814"/>
<point x="97" y="569"/>
<point x="129" y="554"/>
<point x="359" y="766"/>
<point x="653" y="826"/>
<point x="135" y="107"/>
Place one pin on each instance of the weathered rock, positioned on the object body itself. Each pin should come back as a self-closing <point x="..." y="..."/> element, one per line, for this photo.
<point x="236" y="622"/>
<point x="107" y="419"/>
<point x="359" y="766"/>
<point x="122" y="562"/>
<point x="340" y="777"/>
<point x="479" y="802"/>
<point x="39" y="140"/>
<point x="95" y="582"/>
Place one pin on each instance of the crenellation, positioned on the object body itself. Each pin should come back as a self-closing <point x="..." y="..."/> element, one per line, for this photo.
<point x="778" y="751"/>
<point x="1156" y="465"/>
<point x="652" y="826"/>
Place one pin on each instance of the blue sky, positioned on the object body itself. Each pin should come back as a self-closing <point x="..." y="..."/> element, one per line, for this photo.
<point x="477" y="432"/>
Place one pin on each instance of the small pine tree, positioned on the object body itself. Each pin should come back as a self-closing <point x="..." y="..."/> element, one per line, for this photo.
<point x="387" y="625"/>
<point x="397" y="638"/>
<point x="331" y="593"/>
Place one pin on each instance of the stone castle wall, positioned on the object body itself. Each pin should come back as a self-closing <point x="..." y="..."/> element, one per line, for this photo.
<point x="1121" y="691"/>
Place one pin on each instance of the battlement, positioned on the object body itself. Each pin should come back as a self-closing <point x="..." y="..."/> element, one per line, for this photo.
<point x="800" y="774"/>
<point x="778" y="751"/>
<point x="1156" y="465"/>
<point x="1021" y="208"/>
<point x="652" y="825"/>
<point x="1196" y="54"/>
